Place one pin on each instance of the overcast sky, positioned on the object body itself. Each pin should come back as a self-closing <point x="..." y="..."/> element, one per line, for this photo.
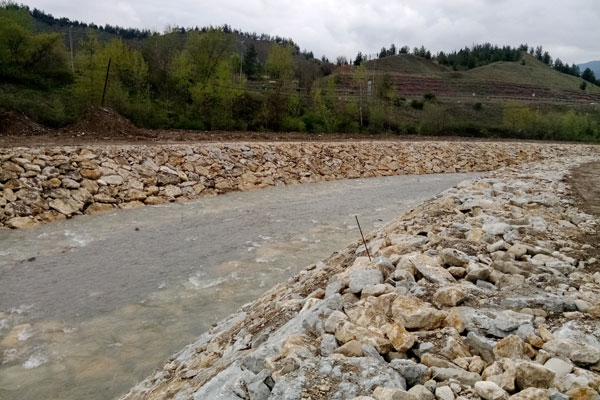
<point x="569" y="29"/>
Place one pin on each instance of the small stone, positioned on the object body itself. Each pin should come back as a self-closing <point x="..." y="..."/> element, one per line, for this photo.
<point x="449" y="296"/>
<point x="410" y="370"/>
<point x="477" y="365"/>
<point x="464" y="377"/>
<point x="328" y="345"/>
<point x="444" y="393"/>
<point x="111" y="180"/>
<point x="582" y="393"/>
<point x="374" y="290"/>
<point x="91" y="173"/>
<point x="582" y="305"/>
<point x="529" y="374"/>
<point x="21" y="222"/>
<point x="66" y="206"/>
<point x="477" y="272"/>
<point x="70" y="183"/>
<point x="401" y="339"/>
<point x="334" y="287"/>
<point x="420" y="392"/>
<point x="545" y="334"/>
<point x="351" y="349"/>
<point x="453" y="257"/>
<point x="383" y="393"/>
<point x="431" y="270"/>
<point x="334" y="318"/>
<point x="556" y="395"/>
<point x="509" y="347"/>
<point x="531" y="394"/>
<point x="490" y="391"/>
<point x="416" y="314"/>
<point x="559" y="367"/>
<point x="54" y="183"/>
<point x="518" y="250"/>
<point x="457" y="272"/>
<point x="578" y="353"/>
<point x="360" y="279"/>
<point x="535" y="340"/>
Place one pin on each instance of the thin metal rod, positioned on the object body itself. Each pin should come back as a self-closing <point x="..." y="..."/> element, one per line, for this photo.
<point x="71" y="46"/>
<point x="363" y="237"/>
<point x="106" y="81"/>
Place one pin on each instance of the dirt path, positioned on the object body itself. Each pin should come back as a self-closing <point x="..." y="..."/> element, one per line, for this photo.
<point x="585" y="183"/>
<point x="61" y="138"/>
<point x="585" y="186"/>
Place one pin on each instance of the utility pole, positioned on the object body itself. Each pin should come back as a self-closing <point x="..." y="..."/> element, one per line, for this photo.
<point x="71" y="46"/>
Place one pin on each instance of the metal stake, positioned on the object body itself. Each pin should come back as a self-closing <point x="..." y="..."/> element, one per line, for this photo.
<point x="363" y="238"/>
<point x="106" y="81"/>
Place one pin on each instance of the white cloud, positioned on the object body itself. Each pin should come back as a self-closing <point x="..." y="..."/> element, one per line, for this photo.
<point x="569" y="30"/>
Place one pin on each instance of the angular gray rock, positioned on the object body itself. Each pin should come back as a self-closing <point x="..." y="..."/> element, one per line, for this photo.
<point x="360" y="279"/>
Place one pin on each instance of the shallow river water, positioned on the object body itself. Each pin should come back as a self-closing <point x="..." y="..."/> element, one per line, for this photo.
<point x="90" y="306"/>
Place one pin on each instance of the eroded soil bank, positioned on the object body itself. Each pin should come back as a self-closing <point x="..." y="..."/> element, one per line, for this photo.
<point x="491" y="290"/>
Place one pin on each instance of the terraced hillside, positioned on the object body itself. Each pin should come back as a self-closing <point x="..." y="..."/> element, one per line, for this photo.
<point x="530" y="81"/>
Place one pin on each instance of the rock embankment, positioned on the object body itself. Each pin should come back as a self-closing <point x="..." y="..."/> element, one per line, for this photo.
<point x="54" y="183"/>
<point x="487" y="291"/>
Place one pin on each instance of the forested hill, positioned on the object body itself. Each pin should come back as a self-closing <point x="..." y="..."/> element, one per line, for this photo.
<point x="73" y="30"/>
<point x="220" y="78"/>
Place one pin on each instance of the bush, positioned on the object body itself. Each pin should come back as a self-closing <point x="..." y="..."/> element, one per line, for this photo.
<point x="417" y="104"/>
<point x="478" y="106"/>
<point x="398" y="101"/>
<point x="292" y="124"/>
<point x="429" y="97"/>
<point x="376" y="119"/>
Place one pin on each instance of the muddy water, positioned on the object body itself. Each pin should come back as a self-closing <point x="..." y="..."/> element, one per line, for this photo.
<point x="90" y="306"/>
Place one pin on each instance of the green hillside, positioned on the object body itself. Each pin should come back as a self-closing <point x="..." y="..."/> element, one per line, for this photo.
<point x="407" y="64"/>
<point x="533" y="72"/>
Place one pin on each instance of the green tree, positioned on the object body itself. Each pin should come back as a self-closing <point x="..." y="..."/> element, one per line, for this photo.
<point x="359" y="59"/>
<point x="28" y="57"/>
<point x="159" y="52"/>
<point x="251" y="64"/>
<point x="360" y="79"/>
<point x="280" y="62"/>
<point x="280" y="67"/>
<point x="206" y="51"/>
<point x="589" y="75"/>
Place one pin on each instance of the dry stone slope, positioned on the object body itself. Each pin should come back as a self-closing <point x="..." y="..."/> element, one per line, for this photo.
<point x="45" y="184"/>
<point x="488" y="291"/>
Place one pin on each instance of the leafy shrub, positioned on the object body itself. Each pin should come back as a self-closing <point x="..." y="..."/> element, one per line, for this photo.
<point x="293" y="124"/>
<point x="417" y="104"/>
<point x="429" y="97"/>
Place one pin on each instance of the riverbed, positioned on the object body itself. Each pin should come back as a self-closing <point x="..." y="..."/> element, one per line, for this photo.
<point x="91" y="305"/>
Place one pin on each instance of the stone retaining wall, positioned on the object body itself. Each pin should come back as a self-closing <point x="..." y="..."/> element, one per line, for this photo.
<point x="54" y="183"/>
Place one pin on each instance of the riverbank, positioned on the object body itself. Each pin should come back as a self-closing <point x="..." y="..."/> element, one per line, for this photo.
<point x="490" y="290"/>
<point x="46" y="184"/>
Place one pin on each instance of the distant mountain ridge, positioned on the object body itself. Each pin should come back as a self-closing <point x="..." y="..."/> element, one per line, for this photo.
<point x="593" y="65"/>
